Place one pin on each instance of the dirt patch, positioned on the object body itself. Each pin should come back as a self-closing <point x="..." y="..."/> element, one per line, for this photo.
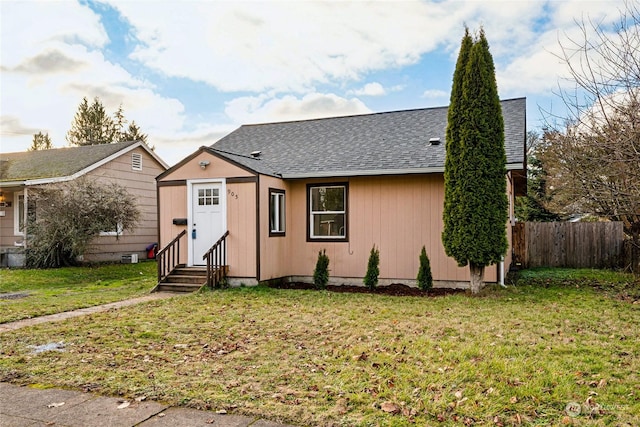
<point x="395" y="289"/>
<point x="14" y="295"/>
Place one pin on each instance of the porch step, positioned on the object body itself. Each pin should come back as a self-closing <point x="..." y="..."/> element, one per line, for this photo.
<point x="183" y="279"/>
<point x="191" y="271"/>
<point x="177" y="287"/>
<point x="186" y="278"/>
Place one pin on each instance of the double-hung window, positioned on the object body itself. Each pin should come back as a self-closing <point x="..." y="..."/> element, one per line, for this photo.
<point x="327" y="219"/>
<point x="276" y="212"/>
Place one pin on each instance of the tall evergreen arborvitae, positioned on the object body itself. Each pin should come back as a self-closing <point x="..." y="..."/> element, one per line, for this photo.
<point x="452" y="216"/>
<point x="475" y="233"/>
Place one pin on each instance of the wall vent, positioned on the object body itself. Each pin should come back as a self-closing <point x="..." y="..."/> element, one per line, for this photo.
<point x="136" y="161"/>
<point x="434" y="141"/>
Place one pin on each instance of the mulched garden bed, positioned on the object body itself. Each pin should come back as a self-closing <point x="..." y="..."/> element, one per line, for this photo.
<point x="395" y="289"/>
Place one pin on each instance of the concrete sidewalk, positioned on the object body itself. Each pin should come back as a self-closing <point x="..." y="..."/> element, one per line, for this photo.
<point x="12" y="326"/>
<point x="30" y="407"/>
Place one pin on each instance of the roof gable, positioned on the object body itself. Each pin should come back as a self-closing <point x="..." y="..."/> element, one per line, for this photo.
<point x="56" y="163"/>
<point x="380" y="143"/>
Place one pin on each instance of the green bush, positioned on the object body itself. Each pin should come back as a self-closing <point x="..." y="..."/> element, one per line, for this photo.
<point x="425" y="279"/>
<point x="321" y="273"/>
<point x="373" y="269"/>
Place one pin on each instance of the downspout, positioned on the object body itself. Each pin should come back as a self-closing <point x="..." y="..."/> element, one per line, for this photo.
<point x="501" y="273"/>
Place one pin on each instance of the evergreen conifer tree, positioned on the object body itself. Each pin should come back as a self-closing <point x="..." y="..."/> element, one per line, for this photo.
<point x="475" y="233"/>
<point x="41" y="141"/>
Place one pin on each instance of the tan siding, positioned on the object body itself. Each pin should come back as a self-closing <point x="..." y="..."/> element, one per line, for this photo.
<point x="173" y="205"/>
<point x="241" y="222"/>
<point x="142" y="185"/>
<point x="398" y="214"/>
<point x="274" y="260"/>
<point x="217" y="168"/>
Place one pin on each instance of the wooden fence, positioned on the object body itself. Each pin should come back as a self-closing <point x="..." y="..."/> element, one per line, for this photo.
<point x="568" y="244"/>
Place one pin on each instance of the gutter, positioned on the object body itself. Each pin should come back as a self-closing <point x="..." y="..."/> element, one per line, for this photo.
<point x="373" y="172"/>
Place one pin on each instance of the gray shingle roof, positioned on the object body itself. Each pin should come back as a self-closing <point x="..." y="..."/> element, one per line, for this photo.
<point x="54" y="163"/>
<point x="381" y="143"/>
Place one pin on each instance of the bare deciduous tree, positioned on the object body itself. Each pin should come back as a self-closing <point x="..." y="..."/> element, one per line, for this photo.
<point x="593" y="158"/>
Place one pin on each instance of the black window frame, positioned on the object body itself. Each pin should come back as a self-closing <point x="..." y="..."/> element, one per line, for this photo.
<point x="283" y="216"/>
<point x="310" y="237"/>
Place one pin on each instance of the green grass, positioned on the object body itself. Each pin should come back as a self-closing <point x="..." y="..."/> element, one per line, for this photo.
<point x="508" y="357"/>
<point x="63" y="289"/>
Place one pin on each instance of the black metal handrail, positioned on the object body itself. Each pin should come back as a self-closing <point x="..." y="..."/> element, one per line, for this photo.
<point x="168" y="257"/>
<point x="217" y="262"/>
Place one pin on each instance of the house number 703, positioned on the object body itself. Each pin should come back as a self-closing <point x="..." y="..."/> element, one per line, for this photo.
<point x="232" y="194"/>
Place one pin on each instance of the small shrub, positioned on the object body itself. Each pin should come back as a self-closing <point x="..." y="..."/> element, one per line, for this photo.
<point x="425" y="279"/>
<point x="321" y="273"/>
<point x="373" y="269"/>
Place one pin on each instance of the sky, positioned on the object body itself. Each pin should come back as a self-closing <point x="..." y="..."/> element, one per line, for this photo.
<point x="190" y="72"/>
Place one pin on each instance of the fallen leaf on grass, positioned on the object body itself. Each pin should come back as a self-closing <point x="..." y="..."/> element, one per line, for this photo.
<point x="124" y="405"/>
<point x="390" y="407"/>
<point x="55" y="405"/>
<point x="341" y="406"/>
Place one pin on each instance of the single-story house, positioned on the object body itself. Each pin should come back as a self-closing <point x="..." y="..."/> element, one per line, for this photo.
<point x="130" y="164"/>
<point x="285" y="191"/>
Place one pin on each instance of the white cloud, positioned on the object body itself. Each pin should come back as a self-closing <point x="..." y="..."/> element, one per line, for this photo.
<point x="255" y="109"/>
<point x="435" y="94"/>
<point x="370" y="89"/>
<point x="281" y="60"/>
<point x="283" y="46"/>
<point x="53" y="61"/>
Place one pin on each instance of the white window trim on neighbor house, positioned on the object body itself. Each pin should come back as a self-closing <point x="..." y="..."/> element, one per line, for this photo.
<point x="117" y="232"/>
<point x="18" y="213"/>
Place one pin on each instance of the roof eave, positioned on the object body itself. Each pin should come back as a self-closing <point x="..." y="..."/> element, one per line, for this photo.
<point x="373" y="172"/>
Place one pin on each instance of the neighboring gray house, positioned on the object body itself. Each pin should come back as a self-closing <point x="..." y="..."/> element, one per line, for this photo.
<point x="130" y="164"/>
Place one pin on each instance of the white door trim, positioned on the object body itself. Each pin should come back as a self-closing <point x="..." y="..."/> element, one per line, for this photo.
<point x="223" y="198"/>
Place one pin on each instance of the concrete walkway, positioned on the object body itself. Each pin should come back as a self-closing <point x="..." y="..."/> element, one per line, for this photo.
<point x="12" y="326"/>
<point x="30" y="407"/>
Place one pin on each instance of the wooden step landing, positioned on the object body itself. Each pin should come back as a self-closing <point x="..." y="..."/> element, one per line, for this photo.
<point x="183" y="280"/>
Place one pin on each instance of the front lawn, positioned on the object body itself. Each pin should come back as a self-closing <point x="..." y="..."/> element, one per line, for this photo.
<point x="515" y="356"/>
<point x="28" y="293"/>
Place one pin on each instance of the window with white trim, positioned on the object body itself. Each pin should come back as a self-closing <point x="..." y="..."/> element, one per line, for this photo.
<point x="116" y="231"/>
<point x="18" y="214"/>
<point x="136" y="161"/>
<point x="327" y="219"/>
<point x="276" y="212"/>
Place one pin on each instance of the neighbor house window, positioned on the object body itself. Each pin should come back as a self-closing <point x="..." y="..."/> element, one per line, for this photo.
<point x="327" y="212"/>
<point x="18" y="219"/>
<point x="116" y="231"/>
<point x="276" y="212"/>
<point x="136" y="161"/>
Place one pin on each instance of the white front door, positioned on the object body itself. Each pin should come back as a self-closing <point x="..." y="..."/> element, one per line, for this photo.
<point x="208" y="218"/>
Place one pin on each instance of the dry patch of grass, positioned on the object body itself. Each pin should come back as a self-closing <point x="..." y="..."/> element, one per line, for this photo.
<point x="30" y="293"/>
<point x="514" y="356"/>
